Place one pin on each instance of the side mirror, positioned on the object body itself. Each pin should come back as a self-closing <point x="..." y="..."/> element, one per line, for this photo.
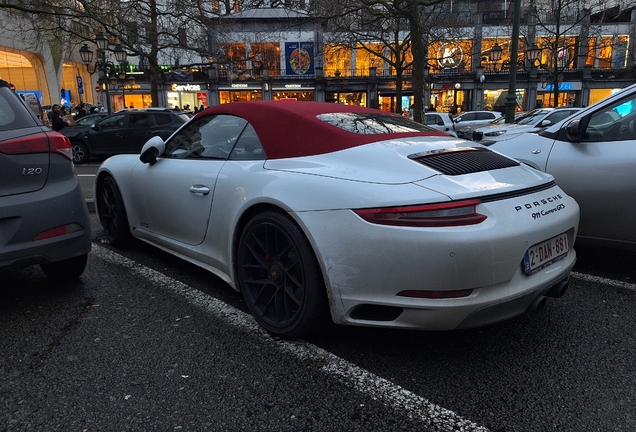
<point x="152" y="149"/>
<point x="573" y="130"/>
<point x="545" y="123"/>
<point x="94" y="126"/>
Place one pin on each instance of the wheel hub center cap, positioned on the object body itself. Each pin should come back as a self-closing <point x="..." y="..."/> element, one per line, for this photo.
<point x="276" y="273"/>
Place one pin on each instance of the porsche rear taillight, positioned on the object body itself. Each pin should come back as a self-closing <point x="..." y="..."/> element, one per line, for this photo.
<point x="44" y="142"/>
<point x="457" y="213"/>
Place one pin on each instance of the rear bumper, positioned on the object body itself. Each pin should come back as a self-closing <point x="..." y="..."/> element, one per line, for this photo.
<point x="24" y="216"/>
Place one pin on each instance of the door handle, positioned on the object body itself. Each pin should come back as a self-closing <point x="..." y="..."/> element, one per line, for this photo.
<point x="537" y="151"/>
<point x="199" y="189"/>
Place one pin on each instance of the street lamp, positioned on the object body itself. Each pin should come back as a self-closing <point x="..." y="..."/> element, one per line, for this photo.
<point x="107" y="68"/>
<point x="494" y="55"/>
<point x="533" y="53"/>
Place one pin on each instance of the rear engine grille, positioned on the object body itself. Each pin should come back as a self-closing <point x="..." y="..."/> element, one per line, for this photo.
<point x="463" y="160"/>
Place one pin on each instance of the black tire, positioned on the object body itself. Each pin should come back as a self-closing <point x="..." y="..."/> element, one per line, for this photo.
<point x="65" y="270"/>
<point x="80" y="152"/>
<point x="112" y="213"/>
<point x="280" y="278"/>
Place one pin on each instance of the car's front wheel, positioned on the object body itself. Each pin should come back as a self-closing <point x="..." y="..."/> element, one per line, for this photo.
<point x="65" y="270"/>
<point x="112" y="213"/>
<point x="280" y="278"/>
<point x="80" y="152"/>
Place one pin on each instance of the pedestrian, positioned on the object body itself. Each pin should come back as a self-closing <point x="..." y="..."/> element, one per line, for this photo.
<point x="81" y="111"/>
<point x="57" y="123"/>
<point x="201" y="108"/>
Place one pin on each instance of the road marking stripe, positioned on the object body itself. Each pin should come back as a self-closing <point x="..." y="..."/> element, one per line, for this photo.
<point x="434" y="417"/>
<point x="604" y="281"/>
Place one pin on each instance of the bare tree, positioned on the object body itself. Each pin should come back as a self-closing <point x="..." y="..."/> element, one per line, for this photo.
<point x="556" y="22"/>
<point x="412" y="15"/>
<point x="148" y="29"/>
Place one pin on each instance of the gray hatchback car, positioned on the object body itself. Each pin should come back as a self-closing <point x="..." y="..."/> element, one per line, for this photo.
<point x="43" y="215"/>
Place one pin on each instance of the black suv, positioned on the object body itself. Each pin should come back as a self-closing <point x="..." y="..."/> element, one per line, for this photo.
<point x="125" y="131"/>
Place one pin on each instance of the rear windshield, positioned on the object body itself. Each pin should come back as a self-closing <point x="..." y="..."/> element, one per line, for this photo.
<point x="13" y="113"/>
<point x="371" y="123"/>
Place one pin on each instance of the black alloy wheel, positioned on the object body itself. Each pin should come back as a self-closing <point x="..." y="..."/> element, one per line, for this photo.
<point x="80" y="152"/>
<point x="280" y="278"/>
<point x="112" y="213"/>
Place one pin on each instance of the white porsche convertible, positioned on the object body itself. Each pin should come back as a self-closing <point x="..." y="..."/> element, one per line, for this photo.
<point x="318" y="211"/>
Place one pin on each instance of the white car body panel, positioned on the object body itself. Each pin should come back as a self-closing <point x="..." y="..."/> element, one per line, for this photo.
<point x="599" y="175"/>
<point x="195" y="208"/>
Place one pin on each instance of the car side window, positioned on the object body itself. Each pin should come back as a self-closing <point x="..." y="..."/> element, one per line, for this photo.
<point x="558" y="115"/>
<point x="248" y="146"/>
<point x="162" y="119"/>
<point x="211" y="137"/>
<point x="615" y="122"/>
<point x="468" y="117"/>
<point x="139" y="120"/>
<point x="430" y="119"/>
<point x="115" y="121"/>
<point x="485" y="116"/>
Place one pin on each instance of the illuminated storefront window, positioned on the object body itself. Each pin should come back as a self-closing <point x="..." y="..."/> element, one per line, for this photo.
<point x="559" y="54"/>
<point x="388" y="102"/>
<point x="337" y="60"/>
<point x="186" y="96"/>
<point x="265" y="56"/>
<point x="619" y="53"/>
<point x="407" y="59"/>
<point x="503" y="63"/>
<point x="450" y="55"/>
<point x="294" y="92"/>
<point x="605" y="52"/>
<point x="233" y="55"/>
<point x="227" y="96"/>
<point x="347" y="98"/>
<point x="366" y="59"/>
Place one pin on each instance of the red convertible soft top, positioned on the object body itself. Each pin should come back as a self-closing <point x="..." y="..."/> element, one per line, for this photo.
<point x="291" y="129"/>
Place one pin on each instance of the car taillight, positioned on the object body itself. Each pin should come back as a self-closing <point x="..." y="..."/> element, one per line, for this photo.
<point x="44" y="142"/>
<point x="457" y="213"/>
<point x="58" y="231"/>
<point x="60" y="144"/>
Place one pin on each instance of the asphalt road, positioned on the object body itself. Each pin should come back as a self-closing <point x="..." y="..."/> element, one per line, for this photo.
<point x="146" y="341"/>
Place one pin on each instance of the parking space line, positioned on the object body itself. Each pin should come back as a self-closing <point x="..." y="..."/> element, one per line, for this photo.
<point x="432" y="416"/>
<point x="604" y="281"/>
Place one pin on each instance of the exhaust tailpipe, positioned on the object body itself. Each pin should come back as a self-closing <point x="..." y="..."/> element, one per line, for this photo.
<point x="537" y="304"/>
<point x="558" y="290"/>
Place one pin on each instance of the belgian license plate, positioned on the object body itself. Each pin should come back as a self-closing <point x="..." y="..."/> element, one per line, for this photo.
<point x="545" y="253"/>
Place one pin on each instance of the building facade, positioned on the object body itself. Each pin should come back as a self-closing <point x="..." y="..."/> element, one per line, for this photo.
<point x="278" y="53"/>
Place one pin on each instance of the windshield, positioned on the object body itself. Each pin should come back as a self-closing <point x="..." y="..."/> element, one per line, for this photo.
<point x="532" y="117"/>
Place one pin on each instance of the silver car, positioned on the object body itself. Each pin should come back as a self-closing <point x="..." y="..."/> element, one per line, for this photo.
<point x="591" y="155"/>
<point x="473" y="118"/>
<point x="43" y="215"/>
<point x="440" y="121"/>
<point x="532" y="121"/>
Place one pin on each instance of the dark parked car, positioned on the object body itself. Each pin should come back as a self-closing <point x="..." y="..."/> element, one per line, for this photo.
<point x="43" y="215"/>
<point x="125" y="131"/>
<point x="89" y="119"/>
